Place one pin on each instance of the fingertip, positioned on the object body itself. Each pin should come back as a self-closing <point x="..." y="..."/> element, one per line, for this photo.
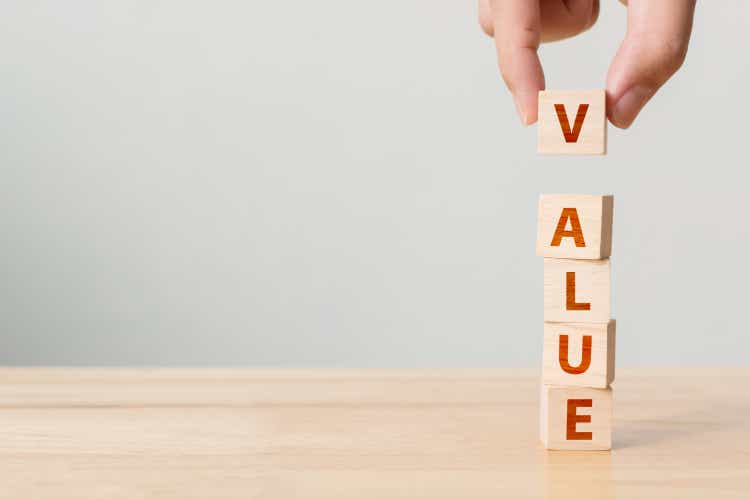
<point x="527" y="107"/>
<point x="653" y="50"/>
<point x="485" y="18"/>
<point x="623" y="109"/>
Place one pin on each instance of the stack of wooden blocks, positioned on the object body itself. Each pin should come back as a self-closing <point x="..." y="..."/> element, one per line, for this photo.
<point x="574" y="236"/>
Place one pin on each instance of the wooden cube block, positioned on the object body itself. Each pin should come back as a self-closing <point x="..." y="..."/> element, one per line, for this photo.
<point x="579" y="354"/>
<point x="576" y="291"/>
<point x="572" y="122"/>
<point x="574" y="226"/>
<point x="576" y="418"/>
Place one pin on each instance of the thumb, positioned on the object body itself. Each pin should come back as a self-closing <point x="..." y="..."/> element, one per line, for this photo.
<point x="653" y="50"/>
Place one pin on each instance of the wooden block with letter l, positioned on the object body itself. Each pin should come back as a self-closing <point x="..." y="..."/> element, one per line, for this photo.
<point x="576" y="418"/>
<point x="574" y="226"/>
<point x="576" y="291"/>
<point x="572" y="122"/>
<point x="579" y="354"/>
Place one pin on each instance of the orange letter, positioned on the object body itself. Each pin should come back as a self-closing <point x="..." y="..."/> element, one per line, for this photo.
<point x="585" y="356"/>
<point x="575" y="228"/>
<point x="562" y="117"/>
<point x="573" y="418"/>
<point x="570" y="295"/>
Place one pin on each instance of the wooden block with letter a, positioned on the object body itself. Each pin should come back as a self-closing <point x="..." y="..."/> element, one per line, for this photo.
<point x="576" y="418"/>
<point x="572" y="122"/>
<point x="579" y="354"/>
<point x="574" y="226"/>
<point x="576" y="291"/>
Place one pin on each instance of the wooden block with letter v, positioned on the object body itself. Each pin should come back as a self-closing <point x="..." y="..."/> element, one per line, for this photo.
<point x="576" y="418"/>
<point x="579" y="354"/>
<point x="572" y="122"/>
<point x="576" y="291"/>
<point x="574" y="226"/>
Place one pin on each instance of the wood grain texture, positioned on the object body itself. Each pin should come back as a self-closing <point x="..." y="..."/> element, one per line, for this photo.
<point x="599" y="372"/>
<point x="557" y="129"/>
<point x="84" y="434"/>
<point x="592" y="212"/>
<point x="592" y="286"/>
<point x="583" y="426"/>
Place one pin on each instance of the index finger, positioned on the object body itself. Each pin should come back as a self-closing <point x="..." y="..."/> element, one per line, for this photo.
<point x="517" y="29"/>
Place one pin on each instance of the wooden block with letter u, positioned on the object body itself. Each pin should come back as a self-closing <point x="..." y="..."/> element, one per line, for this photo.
<point x="572" y="122"/>
<point x="576" y="418"/>
<point x="579" y="354"/>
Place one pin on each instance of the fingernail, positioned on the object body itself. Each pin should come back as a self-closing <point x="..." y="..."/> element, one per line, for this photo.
<point x="629" y="105"/>
<point x="520" y="110"/>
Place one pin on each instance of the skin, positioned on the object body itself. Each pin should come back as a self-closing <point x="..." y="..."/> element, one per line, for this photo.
<point x="654" y="47"/>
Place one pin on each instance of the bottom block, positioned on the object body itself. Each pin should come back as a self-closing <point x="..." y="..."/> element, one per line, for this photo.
<point x="576" y="418"/>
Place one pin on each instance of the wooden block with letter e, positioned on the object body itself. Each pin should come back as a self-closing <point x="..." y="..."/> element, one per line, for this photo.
<point x="574" y="226"/>
<point x="572" y="122"/>
<point x="576" y="291"/>
<point x="576" y="418"/>
<point x="579" y="354"/>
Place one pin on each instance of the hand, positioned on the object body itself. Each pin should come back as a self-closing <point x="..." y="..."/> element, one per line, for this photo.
<point x="653" y="50"/>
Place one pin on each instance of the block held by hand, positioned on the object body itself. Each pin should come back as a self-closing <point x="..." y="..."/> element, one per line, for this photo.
<point x="572" y="122"/>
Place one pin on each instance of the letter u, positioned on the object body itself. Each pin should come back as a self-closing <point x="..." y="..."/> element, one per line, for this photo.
<point x="585" y="356"/>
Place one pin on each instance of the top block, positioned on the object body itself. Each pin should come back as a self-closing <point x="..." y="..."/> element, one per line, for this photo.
<point x="574" y="226"/>
<point x="572" y="122"/>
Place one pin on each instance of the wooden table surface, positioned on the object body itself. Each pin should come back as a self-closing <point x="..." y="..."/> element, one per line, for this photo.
<point x="246" y="434"/>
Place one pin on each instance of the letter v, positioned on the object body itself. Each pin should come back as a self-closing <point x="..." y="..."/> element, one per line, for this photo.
<point x="562" y="117"/>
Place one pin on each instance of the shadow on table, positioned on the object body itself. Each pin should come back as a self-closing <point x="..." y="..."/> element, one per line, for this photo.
<point x="578" y="474"/>
<point x="678" y="427"/>
<point x="637" y="433"/>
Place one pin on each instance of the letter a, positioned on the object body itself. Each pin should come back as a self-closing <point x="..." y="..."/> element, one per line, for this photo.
<point x="562" y="117"/>
<point x="570" y="294"/>
<point x="575" y="228"/>
<point x="585" y="356"/>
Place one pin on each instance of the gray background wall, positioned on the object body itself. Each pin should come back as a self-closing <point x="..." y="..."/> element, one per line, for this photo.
<point x="340" y="183"/>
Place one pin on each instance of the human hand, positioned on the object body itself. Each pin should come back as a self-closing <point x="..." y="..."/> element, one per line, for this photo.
<point x="653" y="50"/>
